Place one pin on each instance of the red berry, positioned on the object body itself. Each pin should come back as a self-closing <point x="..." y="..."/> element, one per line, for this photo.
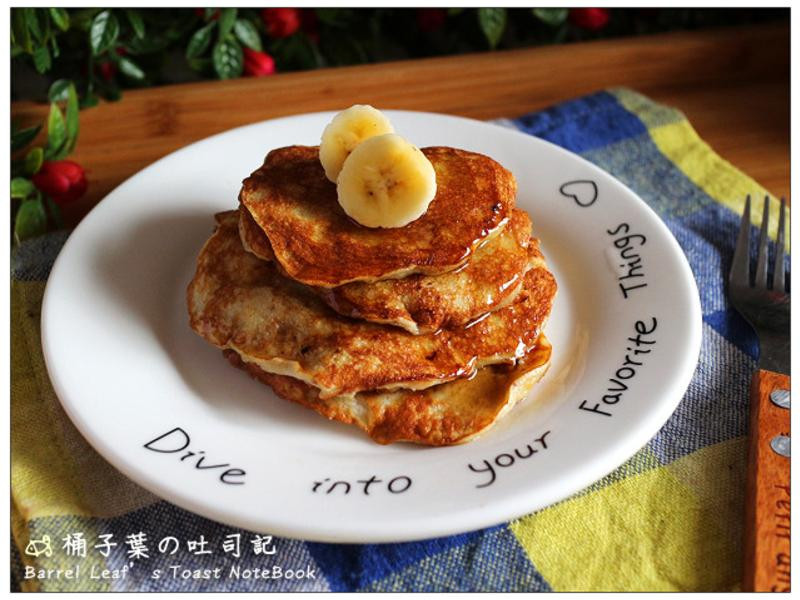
<point x="589" y="18"/>
<point x="281" y="22"/>
<point x="107" y="70"/>
<point x="257" y="64"/>
<point x="63" y="180"/>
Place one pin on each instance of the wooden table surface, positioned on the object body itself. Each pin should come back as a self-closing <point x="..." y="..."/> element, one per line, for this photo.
<point x="733" y="84"/>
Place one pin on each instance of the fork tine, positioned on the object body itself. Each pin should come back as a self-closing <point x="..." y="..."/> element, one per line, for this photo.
<point x="778" y="277"/>
<point x="740" y="268"/>
<point x="761" y="259"/>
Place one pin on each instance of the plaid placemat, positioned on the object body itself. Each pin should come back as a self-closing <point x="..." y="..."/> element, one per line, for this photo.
<point x="668" y="519"/>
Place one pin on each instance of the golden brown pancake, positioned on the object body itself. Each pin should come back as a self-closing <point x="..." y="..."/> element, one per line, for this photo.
<point x="425" y="303"/>
<point x="239" y="302"/>
<point x="317" y="244"/>
<point x="450" y="413"/>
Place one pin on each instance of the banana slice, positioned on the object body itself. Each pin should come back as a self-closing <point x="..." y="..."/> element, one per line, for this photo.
<point x="386" y="182"/>
<point x="346" y="131"/>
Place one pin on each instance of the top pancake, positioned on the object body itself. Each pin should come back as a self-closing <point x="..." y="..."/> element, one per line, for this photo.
<point x="316" y="243"/>
<point x="239" y="302"/>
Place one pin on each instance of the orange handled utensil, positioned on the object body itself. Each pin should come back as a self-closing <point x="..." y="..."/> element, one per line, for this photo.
<point x="767" y="563"/>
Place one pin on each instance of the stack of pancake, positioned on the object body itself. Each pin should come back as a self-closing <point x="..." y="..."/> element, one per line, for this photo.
<point x="424" y="333"/>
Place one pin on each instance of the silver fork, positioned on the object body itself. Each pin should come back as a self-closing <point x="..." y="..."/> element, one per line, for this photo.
<point x="767" y="543"/>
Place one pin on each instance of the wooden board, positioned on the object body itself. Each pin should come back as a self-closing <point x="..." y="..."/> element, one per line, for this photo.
<point x="767" y="541"/>
<point x="732" y="83"/>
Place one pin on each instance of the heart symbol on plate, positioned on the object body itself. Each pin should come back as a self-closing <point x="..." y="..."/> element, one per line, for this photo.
<point x="583" y="191"/>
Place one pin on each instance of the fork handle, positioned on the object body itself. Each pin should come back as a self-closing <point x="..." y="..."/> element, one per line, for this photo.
<point x="767" y="542"/>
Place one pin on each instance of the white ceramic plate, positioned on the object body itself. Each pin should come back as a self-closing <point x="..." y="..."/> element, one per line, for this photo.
<point x="128" y="369"/>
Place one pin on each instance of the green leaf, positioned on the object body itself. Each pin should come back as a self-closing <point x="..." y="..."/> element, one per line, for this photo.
<point x="228" y="59"/>
<point x="46" y="24"/>
<point x="200" y="41"/>
<point x="136" y="21"/>
<point x="54" y="44"/>
<point x="19" y="29"/>
<point x="32" y="23"/>
<point x="130" y="68"/>
<point x="103" y="32"/>
<point x="247" y="34"/>
<point x="56" y="132"/>
<point x="82" y="18"/>
<point x="22" y="187"/>
<point x="23" y="137"/>
<point x="227" y="17"/>
<point x="55" y="211"/>
<point x="493" y="23"/>
<point x="31" y="220"/>
<point x="58" y="90"/>
<point x="60" y="17"/>
<point x="34" y="160"/>
<point x="151" y="44"/>
<point x="41" y="59"/>
<point x="551" y="16"/>
<point x="73" y="123"/>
